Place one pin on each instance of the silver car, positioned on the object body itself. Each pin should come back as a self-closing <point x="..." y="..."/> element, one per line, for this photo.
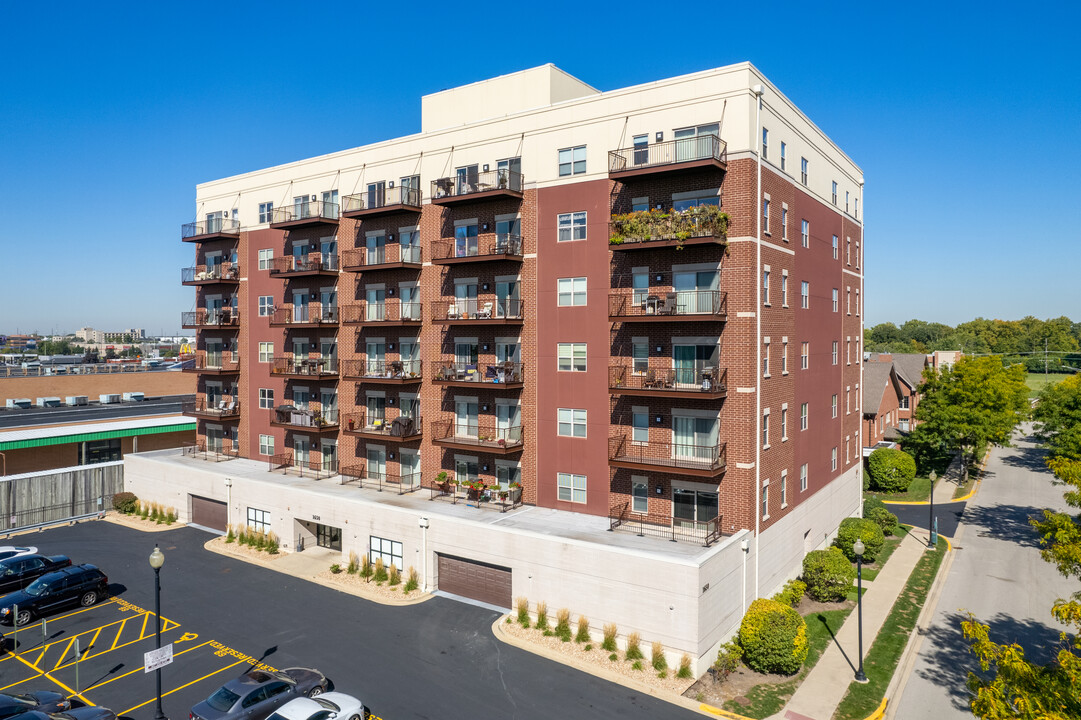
<point x="257" y="693"/>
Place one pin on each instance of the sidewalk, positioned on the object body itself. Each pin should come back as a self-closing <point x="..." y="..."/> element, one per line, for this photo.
<point x="948" y="484"/>
<point x="823" y="689"/>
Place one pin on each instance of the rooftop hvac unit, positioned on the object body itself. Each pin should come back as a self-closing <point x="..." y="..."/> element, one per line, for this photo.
<point x="19" y="403"/>
<point x="109" y="398"/>
<point x="133" y="397"/>
<point x="74" y="400"/>
<point x="44" y="402"/>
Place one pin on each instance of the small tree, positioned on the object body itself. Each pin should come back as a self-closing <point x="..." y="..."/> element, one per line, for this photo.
<point x="890" y="470"/>
<point x="774" y="638"/>
<point x="867" y="531"/>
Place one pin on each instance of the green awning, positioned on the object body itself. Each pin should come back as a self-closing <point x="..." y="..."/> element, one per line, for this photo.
<point x="85" y="437"/>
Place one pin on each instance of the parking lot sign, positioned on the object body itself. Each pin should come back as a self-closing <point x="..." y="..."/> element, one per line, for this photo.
<point x="155" y="659"/>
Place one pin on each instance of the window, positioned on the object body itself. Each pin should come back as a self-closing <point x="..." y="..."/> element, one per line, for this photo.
<point x="783" y="158"/>
<point x="784" y="223"/>
<point x="834" y="352"/>
<point x="784" y="488"/>
<point x="833" y="459"/>
<point x="765" y="286"/>
<point x="572" y="226"/>
<point x="805" y="234"/>
<point x="266" y="352"/>
<point x="848" y="251"/>
<point x="784" y="424"/>
<point x="857" y="254"/>
<point x="857" y="302"/>
<point x="834" y="405"/>
<point x="803" y="170"/>
<point x="847" y="449"/>
<point x="266" y="444"/>
<point x="259" y="520"/>
<point x="266" y="398"/>
<point x="765" y="358"/>
<point x="784" y="357"/>
<point x="765" y="215"/>
<point x="572" y="161"/>
<point x="848" y="351"/>
<point x="640" y="357"/>
<point x="571" y="488"/>
<point x="266" y="259"/>
<point x="572" y="292"/>
<point x="639" y="495"/>
<point x="765" y="144"/>
<point x="784" y="288"/>
<point x="803" y="416"/>
<point x="765" y="499"/>
<point x="765" y="428"/>
<point x="834" y="247"/>
<point x="903" y="425"/>
<point x="803" y="477"/>
<point x="266" y="305"/>
<point x="834" y="192"/>
<point x="572" y="423"/>
<point x="805" y="294"/>
<point x="856" y="214"/>
<point x="834" y="299"/>
<point x="390" y="551"/>
<point x="848" y="401"/>
<point x="265" y="211"/>
<point x="846" y="201"/>
<point x="572" y="357"/>
<point x="639" y="425"/>
<point x="904" y="402"/>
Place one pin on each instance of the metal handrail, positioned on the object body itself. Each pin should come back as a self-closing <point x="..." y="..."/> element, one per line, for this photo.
<point x="224" y="360"/>
<point x="381" y="481"/>
<point x="700" y="147"/>
<point x="497" y="245"/>
<point x="313" y="365"/>
<point x="643" y="226"/>
<point x="668" y="454"/>
<point x="225" y="406"/>
<point x="211" y="318"/>
<point x="311" y="314"/>
<point x="308" y="262"/>
<point x="387" y="369"/>
<point x="390" y="310"/>
<point x="221" y="271"/>
<point x="701" y="379"/>
<point x="621" y="517"/>
<point x="475" y="433"/>
<point x="300" y="417"/>
<point x="391" y="253"/>
<point x="383" y="197"/>
<point x="492" y="373"/>
<point x="307" y="210"/>
<point x="479" y="310"/>
<point x="210" y="226"/>
<point x="628" y="302"/>
<point x="473" y="183"/>
<point x="358" y="422"/>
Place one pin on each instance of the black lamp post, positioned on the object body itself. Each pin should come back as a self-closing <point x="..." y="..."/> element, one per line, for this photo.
<point x="931" y="520"/>
<point x="157" y="559"/>
<point x="858" y="549"/>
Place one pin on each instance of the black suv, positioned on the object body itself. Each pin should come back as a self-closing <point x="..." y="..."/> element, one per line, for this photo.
<point x="18" y="572"/>
<point x="76" y="585"/>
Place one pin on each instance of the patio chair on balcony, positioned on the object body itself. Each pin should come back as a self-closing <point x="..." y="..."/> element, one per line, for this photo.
<point x="650" y="380"/>
<point x="669" y="306"/>
<point x="228" y="409"/>
<point x="485" y="312"/>
<point x="452" y="311"/>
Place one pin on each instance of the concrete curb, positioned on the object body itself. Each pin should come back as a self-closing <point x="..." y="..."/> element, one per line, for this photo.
<point x="341" y="587"/>
<point x="605" y="674"/>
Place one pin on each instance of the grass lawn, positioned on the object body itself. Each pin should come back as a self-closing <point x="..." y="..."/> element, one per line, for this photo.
<point x="919" y="490"/>
<point x="1036" y="381"/>
<point x="881" y="660"/>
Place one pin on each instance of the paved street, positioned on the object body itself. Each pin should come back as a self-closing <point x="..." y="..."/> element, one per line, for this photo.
<point x="435" y="659"/>
<point x="998" y="575"/>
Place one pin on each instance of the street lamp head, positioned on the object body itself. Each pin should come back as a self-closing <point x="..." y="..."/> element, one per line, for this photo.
<point x="157" y="558"/>
<point x="858" y="548"/>
<point x="933" y="476"/>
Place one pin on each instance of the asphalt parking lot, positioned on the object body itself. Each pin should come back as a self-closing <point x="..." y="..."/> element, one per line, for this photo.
<point x="435" y="659"/>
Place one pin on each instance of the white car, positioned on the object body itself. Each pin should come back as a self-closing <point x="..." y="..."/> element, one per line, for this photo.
<point x="7" y="551"/>
<point x="328" y="706"/>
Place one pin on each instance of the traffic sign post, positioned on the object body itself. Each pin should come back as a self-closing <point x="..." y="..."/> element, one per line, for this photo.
<point x="156" y="659"/>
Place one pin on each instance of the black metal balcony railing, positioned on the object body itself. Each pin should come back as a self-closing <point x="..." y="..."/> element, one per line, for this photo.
<point x="693" y="305"/>
<point x="623" y="518"/>
<point x="480" y="311"/>
<point x="292" y="416"/>
<point x="496" y="182"/>
<point x="391" y="371"/>
<point x="214" y="407"/>
<point x="311" y="314"/>
<point x="501" y="246"/>
<point x="312" y="366"/>
<point x="390" y="311"/>
<point x="699" y="149"/>
<point x="310" y="263"/>
<point x="396" y="198"/>
<point x="221" y="317"/>
<point x="206" y="274"/>
<point x="391" y="256"/>
<point x="645" y="229"/>
<point x="693" y="459"/>
<point x="393" y="482"/>
<point x="318" y="467"/>
<point x="501" y="373"/>
<point x="307" y="211"/>
<point x="400" y="429"/>
<point x="475" y="435"/>
<point x="709" y="382"/>
<point x="212" y="450"/>
<point x="210" y="226"/>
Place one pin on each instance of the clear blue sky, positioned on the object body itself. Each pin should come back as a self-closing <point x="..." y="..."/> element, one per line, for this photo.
<point x="965" y="119"/>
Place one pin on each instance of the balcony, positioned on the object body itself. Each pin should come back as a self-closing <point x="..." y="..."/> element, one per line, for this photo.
<point x="215" y="363"/>
<point x="459" y="435"/>
<point x="392" y="312"/>
<point x="683" y="306"/>
<point x="306" y="466"/>
<point x="210" y="274"/>
<point x="621" y="518"/>
<point x="392" y="482"/>
<point x="379" y="372"/>
<point x="225" y="318"/>
<point x="298" y="418"/>
<point x="494" y="185"/>
<point x="386" y="201"/>
<point x="309" y="265"/>
<point x="502" y="246"/>
<point x="704" y="152"/>
<point x="213" y="228"/>
<point x="657" y="230"/>
<point x="401" y="429"/>
<point x="475" y="312"/>
<point x="211" y="450"/>
<point x="706" y="461"/>
<point x="313" y="315"/>
<point x="309" y="368"/>
<point x="219" y="408"/>
<point x="497" y="376"/>
<point x="390" y="257"/>
<point x="701" y="383"/>
<point x="304" y="214"/>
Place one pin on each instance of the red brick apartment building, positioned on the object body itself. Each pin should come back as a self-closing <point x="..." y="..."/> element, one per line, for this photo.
<point x="641" y="305"/>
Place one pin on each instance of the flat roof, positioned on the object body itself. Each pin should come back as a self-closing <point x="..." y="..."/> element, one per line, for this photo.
<point x="40" y="436"/>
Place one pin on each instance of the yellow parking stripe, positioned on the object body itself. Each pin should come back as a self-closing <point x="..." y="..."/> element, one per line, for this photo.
<point x="45" y="674"/>
<point x="20" y="682"/>
<point x="82" y="610"/>
<point x="119" y="633"/>
<point x="204" y="677"/>
<point x="64" y="654"/>
<point x="142" y="632"/>
<point x="137" y="670"/>
<point x="93" y="639"/>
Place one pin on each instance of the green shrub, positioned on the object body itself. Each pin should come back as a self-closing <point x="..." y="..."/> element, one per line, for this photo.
<point x="828" y="574"/>
<point x="394" y="575"/>
<point x="412" y="582"/>
<point x="354" y="563"/>
<point x="582" y="636"/>
<point x="657" y="658"/>
<point x="144" y="510"/>
<point x="634" y="650"/>
<point x="563" y="624"/>
<point x="154" y="512"/>
<point x="380" y="573"/>
<point x="335" y="568"/>
<point x="636" y="665"/>
<point x="170" y="516"/>
<point x="125" y="502"/>
<point x="523" y="612"/>
<point x="792" y="593"/>
<point x="729" y="657"/>
<point x="866" y="530"/>
<point x="884" y="519"/>
<point x="774" y="638"/>
<point x="891" y="470"/>
<point x="871" y="502"/>
<point x="613" y="657"/>
<point x="366" y="567"/>
<point x="684" y="672"/>
<point x="542" y="615"/>
<point x="271" y="543"/>
<point x="230" y="536"/>
<point x="610" y="631"/>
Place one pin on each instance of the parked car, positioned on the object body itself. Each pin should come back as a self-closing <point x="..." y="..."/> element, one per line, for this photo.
<point x="328" y="706"/>
<point x="19" y="571"/>
<point x="7" y="551"/>
<point x="46" y="701"/>
<point x="76" y="585"/>
<point x="89" y="712"/>
<point x="257" y="693"/>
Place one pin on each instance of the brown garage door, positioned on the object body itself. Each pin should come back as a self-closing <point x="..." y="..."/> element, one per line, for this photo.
<point x="208" y="513"/>
<point x="476" y="580"/>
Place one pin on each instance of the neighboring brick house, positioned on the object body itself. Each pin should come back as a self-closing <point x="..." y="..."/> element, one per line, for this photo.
<point x="882" y="393"/>
<point x="909" y="369"/>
